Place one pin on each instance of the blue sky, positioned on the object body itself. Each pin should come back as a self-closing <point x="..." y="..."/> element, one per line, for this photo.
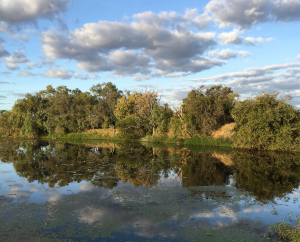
<point x="172" y="46"/>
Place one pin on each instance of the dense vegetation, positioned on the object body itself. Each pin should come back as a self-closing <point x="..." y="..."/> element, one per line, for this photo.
<point x="260" y="123"/>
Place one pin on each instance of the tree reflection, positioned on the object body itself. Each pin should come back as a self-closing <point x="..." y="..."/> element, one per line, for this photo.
<point x="265" y="174"/>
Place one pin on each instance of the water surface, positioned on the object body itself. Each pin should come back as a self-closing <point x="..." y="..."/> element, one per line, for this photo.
<point x="56" y="191"/>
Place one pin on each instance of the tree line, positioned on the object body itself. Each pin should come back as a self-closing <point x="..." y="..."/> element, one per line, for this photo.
<point x="260" y="123"/>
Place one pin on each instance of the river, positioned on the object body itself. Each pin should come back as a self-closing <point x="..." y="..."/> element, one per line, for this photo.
<point x="122" y="191"/>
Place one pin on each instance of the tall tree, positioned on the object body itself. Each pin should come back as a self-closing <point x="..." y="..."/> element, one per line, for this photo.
<point x="135" y="113"/>
<point x="108" y="96"/>
<point x="206" y="111"/>
<point x="6" y="125"/>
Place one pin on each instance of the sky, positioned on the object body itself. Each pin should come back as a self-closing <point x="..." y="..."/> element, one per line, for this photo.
<point x="169" y="46"/>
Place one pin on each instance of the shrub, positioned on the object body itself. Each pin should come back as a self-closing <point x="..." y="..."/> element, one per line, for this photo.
<point x="204" y="112"/>
<point x="266" y="123"/>
<point x="132" y="127"/>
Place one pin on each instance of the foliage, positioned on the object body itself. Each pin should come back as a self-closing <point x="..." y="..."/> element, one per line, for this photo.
<point x="207" y="141"/>
<point x="132" y="127"/>
<point x="139" y="114"/>
<point x="107" y="95"/>
<point x="266" y="174"/>
<point x="204" y="112"/>
<point x="161" y="139"/>
<point x="61" y="110"/>
<point x="266" y="123"/>
<point x="6" y="125"/>
<point x="263" y="123"/>
<point x="286" y="232"/>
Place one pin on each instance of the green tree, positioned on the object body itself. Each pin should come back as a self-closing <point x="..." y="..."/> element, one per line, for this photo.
<point x="59" y="110"/>
<point x="32" y="110"/>
<point x="266" y="123"/>
<point x="108" y="95"/>
<point x="135" y="114"/>
<point x="204" y="112"/>
<point x="160" y="119"/>
<point x="6" y="125"/>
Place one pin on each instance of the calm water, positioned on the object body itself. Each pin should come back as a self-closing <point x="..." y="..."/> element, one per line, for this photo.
<point x="57" y="191"/>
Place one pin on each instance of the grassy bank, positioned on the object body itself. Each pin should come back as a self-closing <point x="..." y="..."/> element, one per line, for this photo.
<point x="207" y="141"/>
<point x="204" y="141"/>
<point x="80" y="136"/>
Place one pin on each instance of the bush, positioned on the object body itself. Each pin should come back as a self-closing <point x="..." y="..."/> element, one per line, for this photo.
<point x="132" y="127"/>
<point x="204" y="112"/>
<point x="266" y="123"/>
<point x="161" y="139"/>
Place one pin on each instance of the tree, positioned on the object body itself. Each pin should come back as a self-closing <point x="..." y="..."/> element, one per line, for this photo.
<point x="32" y="110"/>
<point x="126" y="107"/>
<point x="266" y="123"/>
<point x="108" y="95"/>
<point x="160" y="119"/>
<point x="135" y="114"/>
<point x="59" y="110"/>
<point x="204" y="112"/>
<point x="6" y="124"/>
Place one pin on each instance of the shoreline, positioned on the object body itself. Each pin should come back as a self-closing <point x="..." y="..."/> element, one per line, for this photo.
<point x="159" y="139"/>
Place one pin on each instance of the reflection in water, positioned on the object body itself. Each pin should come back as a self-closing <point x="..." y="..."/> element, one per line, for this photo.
<point x="266" y="174"/>
<point x="131" y="187"/>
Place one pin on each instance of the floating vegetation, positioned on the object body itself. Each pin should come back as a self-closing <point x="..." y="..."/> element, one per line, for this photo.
<point x="76" y="217"/>
<point x="286" y="232"/>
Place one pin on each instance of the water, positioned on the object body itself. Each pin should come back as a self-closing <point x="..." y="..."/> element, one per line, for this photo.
<point x="98" y="191"/>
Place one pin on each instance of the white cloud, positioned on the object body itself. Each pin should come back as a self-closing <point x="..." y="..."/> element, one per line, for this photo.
<point x="298" y="57"/>
<point x="12" y="66"/>
<point x="246" y="13"/>
<point x="228" y="54"/>
<point x="144" y="47"/>
<point x="165" y="19"/>
<point x="244" y="53"/>
<point x="17" y="58"/>
<point x="81" y="76"/>
<point x="15" y="36"/>
<point x="284" y="78"/>
<point x="227" y="38"/>
<point x="252" y="40"/>
<point x="28" y="11"/>
<point x="47" y="62"/>
<point x="3" y="52"/>
<point x="249" y="72"/>
<point x="30" y="65"/>
<point x="59" y="73"/>
<point x="26" y="73"/>
<point x="178" y="74"/>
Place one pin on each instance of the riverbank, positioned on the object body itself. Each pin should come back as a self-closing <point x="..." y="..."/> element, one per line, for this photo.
<point x="194" y="141"/>
<point x="205" y="141"/>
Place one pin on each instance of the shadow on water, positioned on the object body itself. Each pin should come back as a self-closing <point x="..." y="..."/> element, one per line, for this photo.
<point x="134" y="192"/>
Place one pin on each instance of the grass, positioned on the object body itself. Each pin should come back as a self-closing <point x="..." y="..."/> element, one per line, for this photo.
<point x="208" y="141"/>
<point x="161" y="139"/>
<point x="226" y="131"/>
<point x="80" y="136"/>
<point x="14" y="136"/>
